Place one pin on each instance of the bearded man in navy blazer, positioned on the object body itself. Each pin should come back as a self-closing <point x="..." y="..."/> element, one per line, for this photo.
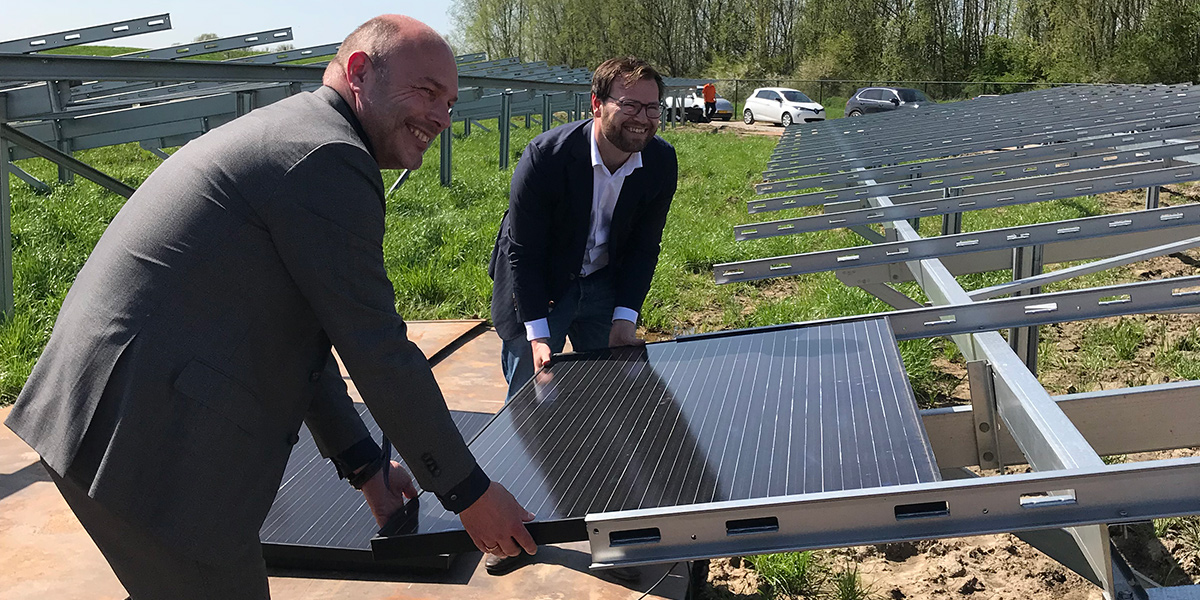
<point x="577" y="248"/>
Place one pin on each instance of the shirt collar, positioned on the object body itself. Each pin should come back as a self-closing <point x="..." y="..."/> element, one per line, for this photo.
<point x="633" y="162"/>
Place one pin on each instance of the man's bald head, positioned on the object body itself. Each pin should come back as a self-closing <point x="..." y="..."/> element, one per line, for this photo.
<point x="383" y="38"/>
<point x="399" y="78"/>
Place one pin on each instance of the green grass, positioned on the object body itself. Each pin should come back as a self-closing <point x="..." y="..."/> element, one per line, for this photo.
<point x="792" y="575"/>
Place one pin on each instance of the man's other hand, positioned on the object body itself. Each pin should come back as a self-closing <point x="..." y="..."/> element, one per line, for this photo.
<point x="386" y="501"/>
<point x="496" y="523"/>
<point x="624" y="333"/>
<point x="541" y="353"/>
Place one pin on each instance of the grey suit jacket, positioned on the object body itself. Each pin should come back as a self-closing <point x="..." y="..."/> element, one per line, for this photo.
<point x="201" y="327"/>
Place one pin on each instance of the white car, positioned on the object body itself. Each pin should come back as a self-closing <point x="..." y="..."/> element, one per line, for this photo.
<point x="781" y="105"/>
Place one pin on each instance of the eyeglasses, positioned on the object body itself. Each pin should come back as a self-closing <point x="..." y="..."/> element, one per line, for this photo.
<point x="632" y="108"/>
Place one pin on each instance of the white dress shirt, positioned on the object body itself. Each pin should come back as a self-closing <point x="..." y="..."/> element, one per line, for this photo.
<point x="606" y="188"/>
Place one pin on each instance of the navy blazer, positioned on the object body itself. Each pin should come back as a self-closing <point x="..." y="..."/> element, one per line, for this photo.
<point x="543" y="235"/>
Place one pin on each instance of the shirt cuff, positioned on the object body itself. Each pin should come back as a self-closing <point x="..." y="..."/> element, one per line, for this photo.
<point x="355" y="457"/>
<point x="625" y="314"/>
<point x="539" y="328"/>
<point x="463" y="495"/>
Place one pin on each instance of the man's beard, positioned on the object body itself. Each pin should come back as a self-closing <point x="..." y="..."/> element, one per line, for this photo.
<point x="624" y="140"/>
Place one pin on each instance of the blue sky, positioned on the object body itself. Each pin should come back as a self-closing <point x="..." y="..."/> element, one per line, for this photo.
<point x="313" y="22"/>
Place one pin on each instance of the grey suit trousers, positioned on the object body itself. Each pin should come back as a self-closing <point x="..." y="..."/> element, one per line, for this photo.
<point x="150" y="570"/>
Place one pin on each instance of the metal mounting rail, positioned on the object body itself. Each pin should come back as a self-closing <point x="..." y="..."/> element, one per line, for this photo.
<point x="963" y="243"/>
<point x="87" y="35"/>
<point x="950" y="134"/>
<point x="970" y="181"/>
<point x="272" y="58"/>
<point x="1071" y="135"/>
<point x="1071" y="497"/>
<point x="218" y="45"/>
<point x="814" y="136"/>
<point x="959" y="125"/>
<point x="1145" y="297"/>
<point x="969" y="202"/>
<point x="1004" y="158"/>
<point x="42" y="67"/>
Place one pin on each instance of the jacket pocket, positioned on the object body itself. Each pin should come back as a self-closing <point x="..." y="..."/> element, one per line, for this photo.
<point x="221" y="394"/>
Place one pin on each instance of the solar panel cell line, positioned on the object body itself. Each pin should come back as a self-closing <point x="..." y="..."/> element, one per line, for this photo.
<point x="750" y="414"/>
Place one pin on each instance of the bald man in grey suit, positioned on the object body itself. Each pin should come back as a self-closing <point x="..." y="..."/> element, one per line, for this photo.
<point x="197" y="337"/>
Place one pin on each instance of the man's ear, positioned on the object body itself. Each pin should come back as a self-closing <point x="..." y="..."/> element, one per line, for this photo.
<point x="358" y="68"/>
<point x="596" y="104"/>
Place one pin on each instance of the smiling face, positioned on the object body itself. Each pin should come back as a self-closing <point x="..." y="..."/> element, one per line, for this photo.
<point x="628" y="133"/>
<point x="405" y="102"/>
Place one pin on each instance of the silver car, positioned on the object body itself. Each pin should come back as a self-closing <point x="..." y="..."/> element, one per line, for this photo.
<point x="781" y="105"/>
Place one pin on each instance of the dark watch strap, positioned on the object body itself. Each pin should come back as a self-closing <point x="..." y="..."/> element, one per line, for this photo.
<point x="359" y="479"/>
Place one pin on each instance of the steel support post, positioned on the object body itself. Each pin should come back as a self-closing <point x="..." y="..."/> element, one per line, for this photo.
<point x="503" y="125"/>
<point x="6" y="258"/>
<point x="1152" y="197"/>
<point x="528" y="118"/>
<point x="983" y="409"/>
<point x="466" y="127"/>
<point x="1027" y="262"/>
<point x="951" y="222"/>
<point x="60" y="92"/>
<point x="444" y="164"/>
<point x="547" y="113"/>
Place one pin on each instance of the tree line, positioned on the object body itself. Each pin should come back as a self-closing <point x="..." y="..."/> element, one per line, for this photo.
<point x="1127" y="41"/>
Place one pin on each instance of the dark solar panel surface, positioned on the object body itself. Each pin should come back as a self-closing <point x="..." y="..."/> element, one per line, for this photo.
<point x="729" y="417"/>
<point x="314" y="508"/>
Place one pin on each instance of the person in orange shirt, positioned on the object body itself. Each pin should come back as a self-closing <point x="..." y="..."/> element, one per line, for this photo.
<point x="710" y="100"/>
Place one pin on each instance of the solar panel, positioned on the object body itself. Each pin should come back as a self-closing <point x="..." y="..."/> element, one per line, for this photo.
<point x="700" y="419"/>
<point x="319" y="520"/>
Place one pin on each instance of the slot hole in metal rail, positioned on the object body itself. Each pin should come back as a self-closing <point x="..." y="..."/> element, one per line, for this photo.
<point x="922" y="510"/>
<point x="779" y="266"/>
<point x="1118" y="299"/>
<point x="1170" y="217"/>
<point x="749" y="526"/>
<point x="942" y="320"/>
<point x="1033" y="309"/>
<point x="1121" y="223"/>
<point x="846" y="258"/>
<point x="965" y="243"/>
<point x="1187" y="291"/>
<point x="732" y="272"/>
<point x="1048" y="499"/>
<point x="1063" y="230"/>
<point x="896" y="252"/>
<point x="629" y="537"/>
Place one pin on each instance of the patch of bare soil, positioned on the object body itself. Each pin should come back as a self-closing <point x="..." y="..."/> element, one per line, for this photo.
<point x="738" y="127"/>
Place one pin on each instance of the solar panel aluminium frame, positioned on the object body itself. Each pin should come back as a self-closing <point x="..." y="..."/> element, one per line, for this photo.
<point x="1092" y="496"/>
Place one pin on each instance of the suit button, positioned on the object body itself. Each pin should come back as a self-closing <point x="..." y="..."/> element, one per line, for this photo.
<point x="571" y="277"/>
<point x="551" y="304"/>
<point x="292" y="439"/>
<point x="315" y="376"/>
